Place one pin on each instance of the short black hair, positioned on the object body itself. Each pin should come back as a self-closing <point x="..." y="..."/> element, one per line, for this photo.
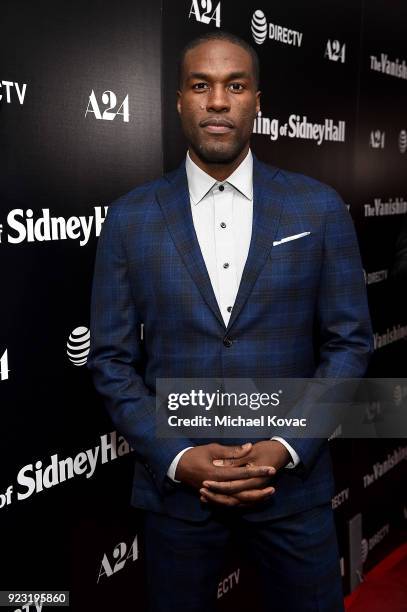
<point x="221" y="35"/>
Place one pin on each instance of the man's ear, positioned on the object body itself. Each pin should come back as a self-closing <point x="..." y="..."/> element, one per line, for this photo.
<point x="179" y="101"/>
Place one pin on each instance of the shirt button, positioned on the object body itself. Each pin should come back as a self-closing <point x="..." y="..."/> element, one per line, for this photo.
<point x="229" y="308"/>
<point x="221" y="188"/>
<point x="223" y="224"/>
<point x="226" y="265"/>
<point x="227" y="342"/>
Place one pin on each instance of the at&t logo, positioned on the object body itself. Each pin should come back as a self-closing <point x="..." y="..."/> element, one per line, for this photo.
<point x="335" y="51"/>
<point x="204" y="12"/>
<point x="111" y="110"/>
<point x="78" y="346"/>
<point x="259" y="27"/>
<point x="403" y="141"/>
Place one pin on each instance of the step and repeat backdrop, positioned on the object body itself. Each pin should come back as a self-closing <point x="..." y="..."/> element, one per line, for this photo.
<point x="87" y="112"/>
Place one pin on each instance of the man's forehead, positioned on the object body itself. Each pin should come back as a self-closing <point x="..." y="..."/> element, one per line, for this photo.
<point x="215" y="53"/>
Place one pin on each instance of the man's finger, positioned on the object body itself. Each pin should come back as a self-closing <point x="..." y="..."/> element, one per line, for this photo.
<point x="218" y="498"/>
<point x="235" y="486"/>
<point x="231" y="453"/>
<point x="245" y="498"/>
<point x="236" y="461"/>
<point x="239" y="473"/>
<point x="255" y="495"/>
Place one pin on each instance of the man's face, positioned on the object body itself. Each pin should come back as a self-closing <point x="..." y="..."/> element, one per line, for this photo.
<point x="218" y="100"/>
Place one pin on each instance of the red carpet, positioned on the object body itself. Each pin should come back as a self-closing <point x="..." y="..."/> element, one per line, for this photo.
<point x="384" y="588"/>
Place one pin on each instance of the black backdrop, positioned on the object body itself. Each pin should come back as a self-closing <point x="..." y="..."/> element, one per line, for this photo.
<point x="87" y="111"/>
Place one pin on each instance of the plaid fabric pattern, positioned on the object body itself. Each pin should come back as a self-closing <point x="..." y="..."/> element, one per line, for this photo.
<point x="301" y="311"/>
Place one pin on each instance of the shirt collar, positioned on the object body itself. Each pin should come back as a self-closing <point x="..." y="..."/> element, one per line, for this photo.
<point x="200" y="183"/>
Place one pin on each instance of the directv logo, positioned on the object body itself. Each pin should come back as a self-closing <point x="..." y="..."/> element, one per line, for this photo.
<point x="261" y="30"/>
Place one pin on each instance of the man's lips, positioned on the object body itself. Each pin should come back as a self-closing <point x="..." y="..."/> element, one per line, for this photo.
<point x="220" y="126"/>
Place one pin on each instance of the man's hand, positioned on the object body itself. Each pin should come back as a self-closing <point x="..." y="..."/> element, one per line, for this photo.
<point x="198" y="464"/>
<point x="266" y="452"/>
<point x="246" y="491"/>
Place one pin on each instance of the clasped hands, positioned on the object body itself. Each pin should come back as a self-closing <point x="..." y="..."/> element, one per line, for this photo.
<point x="233" y="475"/>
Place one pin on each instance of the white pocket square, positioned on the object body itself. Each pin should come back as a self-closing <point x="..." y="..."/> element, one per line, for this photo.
<point x="294" y="237"/>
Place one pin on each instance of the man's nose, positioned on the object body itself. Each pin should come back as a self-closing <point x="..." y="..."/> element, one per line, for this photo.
<point x="218" y="99"/>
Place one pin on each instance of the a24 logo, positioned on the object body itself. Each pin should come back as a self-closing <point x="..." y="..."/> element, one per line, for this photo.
<point x="377" y="139"/>
<point x="205" y="13"/>
<point x="110" y="104"/>
<point x="121" y="554"/>
<point x="335" y="51"/>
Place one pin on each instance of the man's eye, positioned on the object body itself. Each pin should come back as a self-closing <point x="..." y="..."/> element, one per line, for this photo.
<point x="199" y="85"/>
<point x="236" y="86"/>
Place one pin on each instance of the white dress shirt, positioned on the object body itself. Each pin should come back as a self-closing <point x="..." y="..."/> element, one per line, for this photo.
<point x="222" y="213"/>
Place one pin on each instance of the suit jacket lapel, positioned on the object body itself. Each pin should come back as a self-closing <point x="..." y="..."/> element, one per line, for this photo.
<point x="267" y="207"/>
<point x="174" y="200"/>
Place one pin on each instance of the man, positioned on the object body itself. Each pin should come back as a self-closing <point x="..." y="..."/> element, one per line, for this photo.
<point x="191" y="256"/>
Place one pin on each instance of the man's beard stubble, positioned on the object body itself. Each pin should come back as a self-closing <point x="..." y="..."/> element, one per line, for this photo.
<point x="217" y="152"/>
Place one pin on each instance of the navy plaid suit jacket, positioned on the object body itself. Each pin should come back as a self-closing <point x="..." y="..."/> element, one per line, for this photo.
<point x="300" y="311"/>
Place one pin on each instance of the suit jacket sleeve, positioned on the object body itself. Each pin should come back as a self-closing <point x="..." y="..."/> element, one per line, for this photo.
<point x="116" y="354"/>
<point x="342" y="319"/>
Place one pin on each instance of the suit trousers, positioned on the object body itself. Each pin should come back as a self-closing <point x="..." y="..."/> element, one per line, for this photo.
<point x="295" y="559"/>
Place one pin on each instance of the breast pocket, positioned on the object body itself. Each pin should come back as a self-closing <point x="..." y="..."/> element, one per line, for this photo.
<point x="294" y="264"/>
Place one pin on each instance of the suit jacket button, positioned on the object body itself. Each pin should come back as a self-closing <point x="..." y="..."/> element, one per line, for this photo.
<point x="227" y="341"/>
